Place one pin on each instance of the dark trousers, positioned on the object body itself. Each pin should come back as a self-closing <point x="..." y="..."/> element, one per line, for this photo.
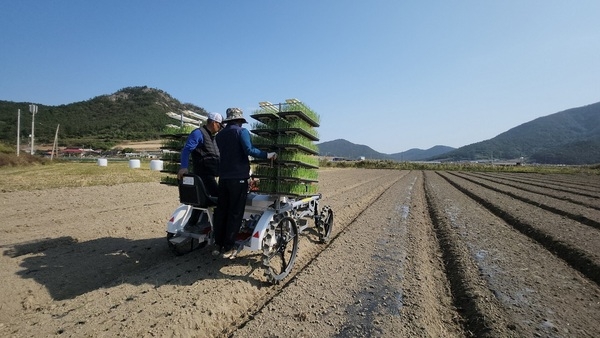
<point x="210" y="183"/>
<point x="230" y="211"/>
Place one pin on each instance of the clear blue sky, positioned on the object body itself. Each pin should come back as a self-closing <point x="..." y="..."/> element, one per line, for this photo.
<point x="389" y="74"/>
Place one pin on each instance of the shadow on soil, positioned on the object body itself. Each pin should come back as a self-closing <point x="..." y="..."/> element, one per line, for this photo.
<point x="68" y="268"/>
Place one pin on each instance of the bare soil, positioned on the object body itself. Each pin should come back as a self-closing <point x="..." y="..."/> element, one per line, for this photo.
<point x="428" y="254"/>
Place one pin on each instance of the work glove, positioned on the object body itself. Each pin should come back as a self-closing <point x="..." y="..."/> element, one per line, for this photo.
<point x="272" y="156"/>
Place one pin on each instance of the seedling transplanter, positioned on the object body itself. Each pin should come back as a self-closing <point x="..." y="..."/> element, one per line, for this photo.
<point x="283" y="194"/>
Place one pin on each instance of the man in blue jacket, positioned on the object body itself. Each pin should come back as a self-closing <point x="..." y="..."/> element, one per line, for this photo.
<point x="201" y="144"/>
<point x="234" y="171"/>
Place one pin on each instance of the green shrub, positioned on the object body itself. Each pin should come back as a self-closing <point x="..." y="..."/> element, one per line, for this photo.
<point x="7" y="149"/>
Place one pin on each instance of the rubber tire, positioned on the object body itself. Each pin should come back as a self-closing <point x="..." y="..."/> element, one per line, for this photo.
<point x="326" y="226"/>
<point x="284" y="253"/>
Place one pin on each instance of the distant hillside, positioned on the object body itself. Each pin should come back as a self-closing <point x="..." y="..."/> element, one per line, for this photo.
<point x="349" y="150"/>
<point x="133" y="113"/>
<point x="568" y="137"/>
<point x="139" y="113"/>
<point x="420" y="154"/>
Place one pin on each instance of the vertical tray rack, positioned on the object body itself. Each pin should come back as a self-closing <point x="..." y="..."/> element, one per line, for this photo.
<point x="289" y="130"/>
<point x="174" y="139"/>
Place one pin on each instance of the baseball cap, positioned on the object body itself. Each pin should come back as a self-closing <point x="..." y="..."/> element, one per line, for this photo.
<point x="215" y="117"/>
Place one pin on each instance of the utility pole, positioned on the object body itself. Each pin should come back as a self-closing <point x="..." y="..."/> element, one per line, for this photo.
<point x="55" y="144"/>
<point x="33" y="109"/>
<point x="18" y="131"/>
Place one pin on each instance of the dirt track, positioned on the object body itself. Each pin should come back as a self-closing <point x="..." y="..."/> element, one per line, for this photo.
<point x="413" y="254"/>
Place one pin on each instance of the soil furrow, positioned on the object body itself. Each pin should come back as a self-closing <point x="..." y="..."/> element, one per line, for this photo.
<point x="582" y="215"/>
<point x="378" y="289"/>
<point x="544" y="296"/>
<point x="582" y="258"/>
<point x="483" y="317"/>
<point x="587" y="200"/>
<point x="94" y="262"/>
<point x="581" y="182"/>
<point x="127" y="278"/>
<point x="266" y="302"/>
<point x="362" y="178"/>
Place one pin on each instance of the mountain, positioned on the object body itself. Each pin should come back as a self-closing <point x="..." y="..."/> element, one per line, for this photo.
<point x="420" y="154"/>
<point x="348" y="150"/>
<point x="132" y="113"/>
<point x="571" y="136"/>
<point x="140" y="113"/>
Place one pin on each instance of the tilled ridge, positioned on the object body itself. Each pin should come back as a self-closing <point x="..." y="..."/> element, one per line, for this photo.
<point x="576" y="216"/>
<point x="541" y="294"/>
<point x="576" y="197"/>
<point x="413" y="254"/>
<point x="575" y="257"/>
<point x="587" y="183"/>
<point x="479" y="308"/>
<point x="428" y="309"/>
<point x="379" y="277"/>
<point x="265" y="302"/>
<point x="192" y="293"/>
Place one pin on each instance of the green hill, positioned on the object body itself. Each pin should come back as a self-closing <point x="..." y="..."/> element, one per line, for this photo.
<point x="133" y="113"/>
<point x="351" y="151"/>
<point x="348" y="150"/>
<point x="568" y="137"/>
<point x="139" y="113"/>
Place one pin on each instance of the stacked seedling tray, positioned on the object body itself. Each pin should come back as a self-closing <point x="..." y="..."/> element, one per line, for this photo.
<point x="174" y="139"/>
<point x="289" y="130"/>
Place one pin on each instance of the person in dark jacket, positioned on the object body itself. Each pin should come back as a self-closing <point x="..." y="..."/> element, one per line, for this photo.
<point x="202" y="145"/>
<point x="234" y="171"/>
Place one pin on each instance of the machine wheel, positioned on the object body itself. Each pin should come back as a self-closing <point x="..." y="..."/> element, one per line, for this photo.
<point x="280" y="247"/>
<point x="187" y="245"/>
<point x="325" y="224"/>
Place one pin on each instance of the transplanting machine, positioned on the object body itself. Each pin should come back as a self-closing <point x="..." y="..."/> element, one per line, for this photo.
<point x="282" y="202"/>
<point x="271" y="225"/>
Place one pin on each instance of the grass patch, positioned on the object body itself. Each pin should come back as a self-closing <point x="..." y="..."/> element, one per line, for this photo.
<point x="477" y="167"/>
<point x="73" y="174"/>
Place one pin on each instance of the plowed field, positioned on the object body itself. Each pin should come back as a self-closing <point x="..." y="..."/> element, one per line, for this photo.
<point x="420" y="253"/>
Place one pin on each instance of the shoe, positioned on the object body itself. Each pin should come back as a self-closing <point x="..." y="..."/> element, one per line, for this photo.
<point x="230" y="254"/>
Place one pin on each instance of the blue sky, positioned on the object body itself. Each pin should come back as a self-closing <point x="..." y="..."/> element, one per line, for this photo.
<point x="390" y="74"/>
